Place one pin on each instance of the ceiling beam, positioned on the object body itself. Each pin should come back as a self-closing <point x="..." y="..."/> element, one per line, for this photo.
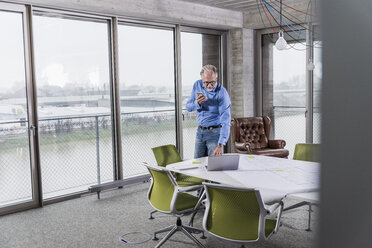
<point x="179" y="12"/>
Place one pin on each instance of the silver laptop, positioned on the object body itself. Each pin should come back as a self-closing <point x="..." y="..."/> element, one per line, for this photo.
<point x="224" y="162"/>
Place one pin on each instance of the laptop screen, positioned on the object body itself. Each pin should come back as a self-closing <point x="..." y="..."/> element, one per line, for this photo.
<point x="224" y="162"/>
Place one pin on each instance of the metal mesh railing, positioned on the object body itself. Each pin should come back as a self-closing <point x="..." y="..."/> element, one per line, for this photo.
<point x="289" y="123"/>
<point x="189" y="133"/>
<point x="317" y="126"/>
<point x="15" y="169"/>
<point x="140" y="132"/>
<point x="75" y="152"/>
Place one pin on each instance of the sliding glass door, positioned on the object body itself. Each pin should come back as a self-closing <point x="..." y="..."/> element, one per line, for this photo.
<point x="17" y="163"/>
<point x="289" y="79"/>
<point x="74" y="102"/>
<point x="197" y="49"/>
<point x="147" y="93"/>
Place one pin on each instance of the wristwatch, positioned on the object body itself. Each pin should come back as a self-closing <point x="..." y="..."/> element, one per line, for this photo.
<point x="220" y="145"/>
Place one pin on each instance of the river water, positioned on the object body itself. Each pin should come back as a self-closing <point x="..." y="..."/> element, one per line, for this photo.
<point x="72" y="166"/>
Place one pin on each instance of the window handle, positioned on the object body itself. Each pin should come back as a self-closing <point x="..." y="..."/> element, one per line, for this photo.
<point x="33" y="130"/>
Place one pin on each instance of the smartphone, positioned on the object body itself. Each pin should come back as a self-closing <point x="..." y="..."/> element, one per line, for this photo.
<point x="198" y="94"/>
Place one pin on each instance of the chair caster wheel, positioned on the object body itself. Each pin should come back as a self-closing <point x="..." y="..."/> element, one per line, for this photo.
<point x="203" y="237"/>
<point x="151" y="218"/>
<point x="155" y="238"/>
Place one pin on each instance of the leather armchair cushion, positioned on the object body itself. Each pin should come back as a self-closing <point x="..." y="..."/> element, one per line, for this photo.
<point x="281" y="153"/>
<point x="242" y="146"/>
<point x="277" y="144"/>
<point x="253" y="132"/>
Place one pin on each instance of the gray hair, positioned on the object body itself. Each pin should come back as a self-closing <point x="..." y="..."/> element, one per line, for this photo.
<point x="208" y="68"/>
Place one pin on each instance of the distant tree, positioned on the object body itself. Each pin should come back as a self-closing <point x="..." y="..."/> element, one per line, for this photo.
<point x="162" y="89"/>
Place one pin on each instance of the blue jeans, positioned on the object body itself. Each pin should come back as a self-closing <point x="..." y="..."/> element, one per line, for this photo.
<point x="206" y="142"/>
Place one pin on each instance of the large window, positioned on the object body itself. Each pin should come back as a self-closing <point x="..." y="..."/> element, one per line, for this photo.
<point x="317" y="92"/>
<point x="192" y="61"/>
<point x="74" y="104"/>
<point x="289" y="95"/>
<point x="196" y="50"/>
<point x="285" y="90"/>
<point x="15" y="169"/>
<point x="147" y="88"/>
<point x="61" y="89"/>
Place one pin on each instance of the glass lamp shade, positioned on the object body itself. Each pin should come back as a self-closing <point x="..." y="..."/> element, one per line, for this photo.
<point x="310" y="66"/>
<point x="281" y="44"/>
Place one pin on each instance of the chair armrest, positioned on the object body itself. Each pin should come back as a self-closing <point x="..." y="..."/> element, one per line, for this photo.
<point x="271" y="209"/>
<point x="189" y="188"/>
<point x="243" y="146"/>
<point x="277" y="144"/>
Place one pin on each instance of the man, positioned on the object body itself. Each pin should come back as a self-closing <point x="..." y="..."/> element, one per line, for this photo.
<point x="212" y="103"/>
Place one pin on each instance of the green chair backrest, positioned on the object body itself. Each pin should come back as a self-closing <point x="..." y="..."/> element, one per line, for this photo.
<point x="162" y="190"/>
<point x="166" y="154"/>
<point x="307" y="152"/>
<point x="233" y="214"/>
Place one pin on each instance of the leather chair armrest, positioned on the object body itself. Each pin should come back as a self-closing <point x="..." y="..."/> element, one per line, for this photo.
<point x="277" y="144"/>
<point x="243" y="146"/>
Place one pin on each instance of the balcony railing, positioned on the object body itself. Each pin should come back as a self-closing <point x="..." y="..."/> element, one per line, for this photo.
<point x="76" y="151"/>
<point x="290" y="125"/>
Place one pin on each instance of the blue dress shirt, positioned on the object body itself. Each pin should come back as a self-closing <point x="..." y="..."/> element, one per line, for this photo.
<point x="214" y="111"/>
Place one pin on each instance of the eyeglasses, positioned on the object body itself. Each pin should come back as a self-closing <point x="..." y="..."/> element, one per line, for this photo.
<point x="211" y="82"/>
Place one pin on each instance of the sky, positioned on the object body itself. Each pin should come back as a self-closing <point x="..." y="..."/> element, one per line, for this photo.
<point x="291" y="63"/>
<point x="11" y="50"/>
<point x="77" y="53"/>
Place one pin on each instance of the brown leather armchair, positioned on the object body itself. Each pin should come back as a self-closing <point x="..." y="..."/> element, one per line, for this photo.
<point x="251" y="136"/>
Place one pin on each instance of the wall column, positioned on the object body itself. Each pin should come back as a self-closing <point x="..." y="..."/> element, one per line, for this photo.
<point x="242" y="85"/>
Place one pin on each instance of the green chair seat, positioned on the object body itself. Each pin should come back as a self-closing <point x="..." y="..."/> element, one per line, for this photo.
<point x="186" y="201"/>
<point x="184" y="180"/>
<point x="269" y="226"/>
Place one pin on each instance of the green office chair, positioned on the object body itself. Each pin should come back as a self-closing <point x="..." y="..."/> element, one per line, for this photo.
<point x="168" y="154"/>
<point x="310" y="153"/>
<point x="307" y="152"/>
<point x="167" y="197"/>
<point x="238" y="214"/>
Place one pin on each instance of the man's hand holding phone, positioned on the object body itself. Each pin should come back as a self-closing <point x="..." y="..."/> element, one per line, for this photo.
<point x="200" y="98"/>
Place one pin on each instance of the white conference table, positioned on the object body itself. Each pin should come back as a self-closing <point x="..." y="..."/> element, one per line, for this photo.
<point x="273" y="177"/>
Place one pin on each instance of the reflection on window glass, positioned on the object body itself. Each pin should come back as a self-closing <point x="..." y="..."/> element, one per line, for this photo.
<point x="73" y="87"/>
<point x="146" y="67"/>
<point x="15" y="169"/>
